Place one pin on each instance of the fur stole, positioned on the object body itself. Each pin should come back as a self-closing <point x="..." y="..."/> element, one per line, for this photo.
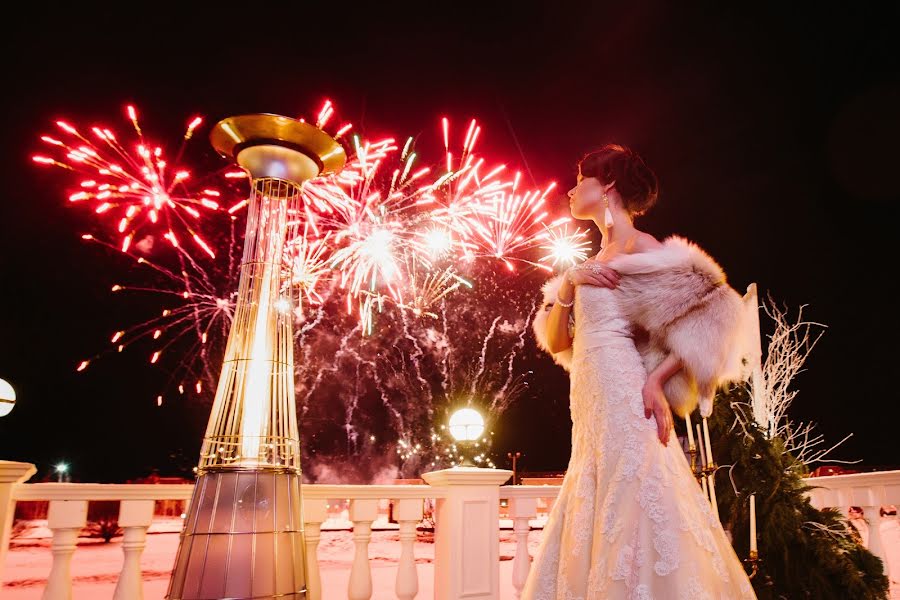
<point x="679" y="295"/>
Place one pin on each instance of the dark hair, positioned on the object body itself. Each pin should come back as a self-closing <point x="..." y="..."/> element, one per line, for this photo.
<point x="634" y="180"/>
<point x="885" y="512"/>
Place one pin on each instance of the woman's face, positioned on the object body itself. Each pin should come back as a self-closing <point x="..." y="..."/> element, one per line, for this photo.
<point x="586" y="198"/>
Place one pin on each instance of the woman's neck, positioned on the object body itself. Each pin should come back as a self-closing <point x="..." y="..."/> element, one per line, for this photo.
<point x="619" y="236"/>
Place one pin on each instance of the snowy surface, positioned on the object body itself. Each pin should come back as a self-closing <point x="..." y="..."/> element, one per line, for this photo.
<point x="96" y="565"/>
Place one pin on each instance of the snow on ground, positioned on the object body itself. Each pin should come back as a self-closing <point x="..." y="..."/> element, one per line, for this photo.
<point x="96" y="565"/>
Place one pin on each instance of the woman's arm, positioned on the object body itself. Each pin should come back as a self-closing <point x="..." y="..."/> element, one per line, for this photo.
<point x="655" y="402"/>
<point x="558" y="320"/>
<point x="668" y="367"/>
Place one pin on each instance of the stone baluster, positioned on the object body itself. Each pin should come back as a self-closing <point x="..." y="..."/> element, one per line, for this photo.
<point x="408" y="513"/>
<point x="520" y="511"/>
<point x="873" y="516"/>
<point x="315" y="511"/>
<point x="66" y="520"/>
<point x="135" y="517"/>
<point x="362" y="513"/>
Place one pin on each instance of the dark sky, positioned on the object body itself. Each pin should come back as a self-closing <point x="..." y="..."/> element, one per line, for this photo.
<point x="774" y="131"/>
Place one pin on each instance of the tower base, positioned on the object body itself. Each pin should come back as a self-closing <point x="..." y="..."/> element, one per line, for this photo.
<point x="242" y="538"/>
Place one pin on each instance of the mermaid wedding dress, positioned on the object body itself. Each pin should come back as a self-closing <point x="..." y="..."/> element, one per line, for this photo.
<point x="630" y="521"/>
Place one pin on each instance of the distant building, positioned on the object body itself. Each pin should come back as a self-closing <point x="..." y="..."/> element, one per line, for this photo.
<point x="826" y="470"/>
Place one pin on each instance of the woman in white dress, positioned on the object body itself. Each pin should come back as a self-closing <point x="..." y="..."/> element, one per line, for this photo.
<point x="644" y="327"/>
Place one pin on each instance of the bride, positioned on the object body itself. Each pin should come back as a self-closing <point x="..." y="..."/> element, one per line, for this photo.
<point x="643" y="328"/>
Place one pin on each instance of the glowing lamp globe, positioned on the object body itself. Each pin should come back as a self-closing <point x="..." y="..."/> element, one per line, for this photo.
<point x="466" y="425"/>
<point x="7" y="398"/>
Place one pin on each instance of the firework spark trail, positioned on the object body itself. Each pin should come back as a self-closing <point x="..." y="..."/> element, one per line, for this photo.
<point x="563" y="248"/>
<point x="446" y="357"/>
<point x="505" y="395"/>
<point x="326" y="368"/>
<point x="366" y="369"/>
<point x="426" y="286"/>
<point x="334" y="365"/>
<point x="383" y="215"/>
<point x="484" y="348"/>
<point x="417" y="354"/>
<point x="134" y="189"/>
<point x="513" y="225"/>
<point x="310" y="263"/>
<point x="210" y="371"/>
<point x="202" y="311"/>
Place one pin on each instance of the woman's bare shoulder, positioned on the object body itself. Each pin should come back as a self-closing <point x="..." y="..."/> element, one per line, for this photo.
<point x="647" y="242"/>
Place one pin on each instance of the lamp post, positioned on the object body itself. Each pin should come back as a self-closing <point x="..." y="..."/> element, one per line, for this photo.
<point x="62" y="471"/>
<point x="514" y="457"/>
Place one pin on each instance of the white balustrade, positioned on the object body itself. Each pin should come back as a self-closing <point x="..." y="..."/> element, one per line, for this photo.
<point x="135" y="517"/>
<point x="68" y="516"/>
<point x="362" y="513"/>
<point x="522" y="507"/>
<point x="315" y="511"/>
<point x="466" y="543"/>
<point x="867" y="490"/>
<point x="408" y="513"/>
<point x="521" y="510"/>
<point x="65" y="519"/>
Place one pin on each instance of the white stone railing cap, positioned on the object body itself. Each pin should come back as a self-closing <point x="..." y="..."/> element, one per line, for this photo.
<point x="15" y="472"/>
<point x="103" y="491"/>
<point x="459" y="476"/>
<point x="529" y="491"/>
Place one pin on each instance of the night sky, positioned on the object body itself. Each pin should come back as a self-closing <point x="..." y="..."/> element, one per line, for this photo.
<point x="774" y="133"/>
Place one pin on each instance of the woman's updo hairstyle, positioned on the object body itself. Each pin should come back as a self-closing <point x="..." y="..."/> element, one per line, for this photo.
<point x="635" y="182"/>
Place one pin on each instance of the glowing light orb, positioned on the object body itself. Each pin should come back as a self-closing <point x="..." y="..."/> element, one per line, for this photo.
<point x="7" y="398"/>
<point x="466" y="425"/>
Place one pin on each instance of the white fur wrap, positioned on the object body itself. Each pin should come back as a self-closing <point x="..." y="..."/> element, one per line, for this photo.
<point x="679" y="295"/>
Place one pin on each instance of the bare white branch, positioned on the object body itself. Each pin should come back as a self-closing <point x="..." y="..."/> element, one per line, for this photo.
<point x="771" y="384"/>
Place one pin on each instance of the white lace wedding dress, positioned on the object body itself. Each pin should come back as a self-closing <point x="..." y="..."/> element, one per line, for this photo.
<point x="631" y="521"/>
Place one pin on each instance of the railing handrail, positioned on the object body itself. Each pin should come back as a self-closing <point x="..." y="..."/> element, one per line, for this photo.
<point x="102" y="491"/>
<point x="878" y="478"/>
<point x="369" y="492"/>
<point x="508" y="492"/>
<point x="180" y="491"/>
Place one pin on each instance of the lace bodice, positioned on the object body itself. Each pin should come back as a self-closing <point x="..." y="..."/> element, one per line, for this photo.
<point x="598" y="317"/>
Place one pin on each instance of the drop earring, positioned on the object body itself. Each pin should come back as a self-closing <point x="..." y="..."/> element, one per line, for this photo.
<point x="607" y="215"/>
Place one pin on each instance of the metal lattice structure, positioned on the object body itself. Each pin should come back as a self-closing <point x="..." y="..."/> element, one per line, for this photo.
<point x="253" y="422"/>
<point x="243" y="535"/>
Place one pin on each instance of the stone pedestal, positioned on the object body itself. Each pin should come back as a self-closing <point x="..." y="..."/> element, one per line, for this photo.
<point x="467" y="533"/>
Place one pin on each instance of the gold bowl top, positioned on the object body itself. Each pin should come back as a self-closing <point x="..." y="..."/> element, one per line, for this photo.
<point x="232" y="135"/>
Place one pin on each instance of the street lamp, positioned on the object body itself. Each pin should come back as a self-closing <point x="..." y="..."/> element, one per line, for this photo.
<point x="62" y="470"/>
<point x="514" y="457"/>
<point x="7" y="398"/>
<point x="466" y="426"/>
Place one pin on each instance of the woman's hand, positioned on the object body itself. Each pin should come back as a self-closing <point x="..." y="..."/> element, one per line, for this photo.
<point x="655" y="404"/>
<point x="592" y="272"/>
